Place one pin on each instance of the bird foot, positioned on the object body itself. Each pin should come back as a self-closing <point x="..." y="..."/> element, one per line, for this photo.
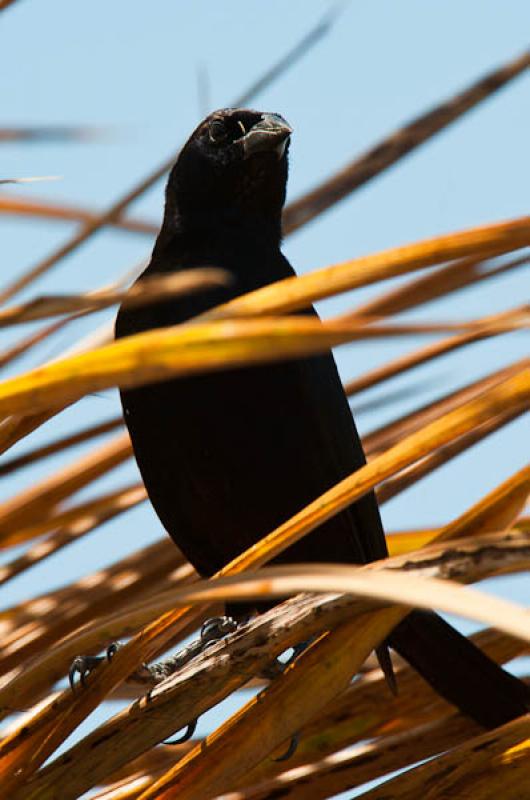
<point x="212" y="631"/>
<point x="84" y="665"/>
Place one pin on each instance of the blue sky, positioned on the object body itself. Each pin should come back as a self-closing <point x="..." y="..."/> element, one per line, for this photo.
<point x="131" y="68"/>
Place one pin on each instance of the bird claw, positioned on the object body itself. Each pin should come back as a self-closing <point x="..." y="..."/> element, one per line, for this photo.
<point x="111" y="650"/>
<point x="291" y="750"/>
<point x="277" y="667"/>
<point x="186" y="736"/>
<point x="84" y="665"/>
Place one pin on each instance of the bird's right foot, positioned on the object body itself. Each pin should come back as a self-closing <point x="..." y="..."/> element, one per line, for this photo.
<point x="212" y="631"/>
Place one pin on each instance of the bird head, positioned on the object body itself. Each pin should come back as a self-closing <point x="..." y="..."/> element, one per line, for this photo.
<point x="233" y="167"/>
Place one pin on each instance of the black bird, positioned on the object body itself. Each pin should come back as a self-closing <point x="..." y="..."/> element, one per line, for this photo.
<point x="226" y="457"/>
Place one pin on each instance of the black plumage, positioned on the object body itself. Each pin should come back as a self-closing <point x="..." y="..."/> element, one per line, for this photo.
<point x="226" y="457"/>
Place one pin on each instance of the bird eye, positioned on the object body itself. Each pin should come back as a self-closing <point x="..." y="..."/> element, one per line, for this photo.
<point x="217" y="131"/>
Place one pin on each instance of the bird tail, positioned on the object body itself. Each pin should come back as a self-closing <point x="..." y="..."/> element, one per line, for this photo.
<point x="458" y="670"/>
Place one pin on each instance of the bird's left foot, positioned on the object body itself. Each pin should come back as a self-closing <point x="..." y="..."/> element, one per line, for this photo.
<point x="83" y="665"/>
<point x="212" y="631"/>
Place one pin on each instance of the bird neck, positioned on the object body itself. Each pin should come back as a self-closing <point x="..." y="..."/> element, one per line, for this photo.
<point x="221" y="229"/>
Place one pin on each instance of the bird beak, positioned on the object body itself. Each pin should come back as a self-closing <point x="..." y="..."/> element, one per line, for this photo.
<point x="270" y="134"/>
